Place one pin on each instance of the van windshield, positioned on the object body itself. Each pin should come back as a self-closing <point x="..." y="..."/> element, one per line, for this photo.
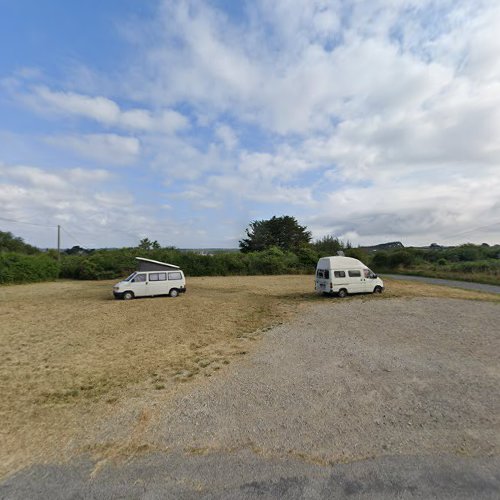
<point x="130" y="277"/>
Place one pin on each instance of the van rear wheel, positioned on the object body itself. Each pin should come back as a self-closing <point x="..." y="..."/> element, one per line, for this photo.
<point x="342" y="293"/>
<point x="174" y="292"/>
<point x="128" y="295"/>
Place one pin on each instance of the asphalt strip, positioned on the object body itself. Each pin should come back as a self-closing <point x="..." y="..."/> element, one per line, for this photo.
<point x="246" y="475"/>
<point x="466" y="285"/>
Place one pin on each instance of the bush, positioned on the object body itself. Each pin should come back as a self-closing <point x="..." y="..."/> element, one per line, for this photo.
<point x="480" y="266"/>
<point x="20" y="268"/>
<point x="401" y="258"/>
<point x="380" y="260"/>
<point x="356" y="253"/>
<point x="307" y="257"/>
<point x="105" y="264"/>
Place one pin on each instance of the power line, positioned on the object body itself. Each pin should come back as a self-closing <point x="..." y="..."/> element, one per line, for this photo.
<point x="24" y="222"/>
<point x="108" y="229"/>
<point x="17" y="221"/>
<point x="72" y="237"/>
<point x="449" y="237"/>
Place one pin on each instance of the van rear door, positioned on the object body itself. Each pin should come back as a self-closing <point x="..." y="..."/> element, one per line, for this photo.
<point x="322" y="280"/>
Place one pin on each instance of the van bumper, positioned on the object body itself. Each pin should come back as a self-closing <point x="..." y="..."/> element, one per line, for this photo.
<point x="118" y="295"/>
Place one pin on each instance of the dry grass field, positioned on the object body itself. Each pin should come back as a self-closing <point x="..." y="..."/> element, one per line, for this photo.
<point x="72" y="355"/>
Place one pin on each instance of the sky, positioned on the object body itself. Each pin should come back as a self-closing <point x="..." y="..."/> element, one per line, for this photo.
<point x="183" y="121"/>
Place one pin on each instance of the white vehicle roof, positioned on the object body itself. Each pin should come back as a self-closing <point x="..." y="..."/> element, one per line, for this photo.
<point x="338" y="262"/>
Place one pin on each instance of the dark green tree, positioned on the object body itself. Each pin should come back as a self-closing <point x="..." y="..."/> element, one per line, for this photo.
<point x="328" y="245"/>
<point x="282" y="232"/>
<point x="145" y="244"/>
<point x="11" y="243"/>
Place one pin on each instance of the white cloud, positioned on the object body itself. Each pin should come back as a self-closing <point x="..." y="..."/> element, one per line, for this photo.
<point x="90" y="208"/>
<point x="416" y="210"/>
<point x="80" y="175"/>
<point x="34" y="176"/>
<point x="109" y="149"/>
<point x="98" y="108"/>
<point x="238" y="187"/>
<point x="102" y="110"/>
<point x="227" y="135"/>
<point x="370" y="118"/>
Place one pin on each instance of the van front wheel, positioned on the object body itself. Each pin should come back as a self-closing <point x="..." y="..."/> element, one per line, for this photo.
<point x="377" y="289"/>
<point x="174" y="292"/>
<point x="342" y="293"/>
<point x="128" y="295"/>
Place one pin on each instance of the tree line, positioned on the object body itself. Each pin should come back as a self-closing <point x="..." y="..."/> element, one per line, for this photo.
<point x="279" y="245"/>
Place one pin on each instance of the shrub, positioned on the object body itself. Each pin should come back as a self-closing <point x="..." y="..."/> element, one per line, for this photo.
<point x="401" y="258"/>
<point x="356" y="253"/>
<point x="380" y="260"/>
<point x="307" y="257"/>
<point x="20" y="268"/>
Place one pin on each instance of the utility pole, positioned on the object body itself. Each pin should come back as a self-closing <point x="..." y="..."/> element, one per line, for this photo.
<point x="58" y="242"/>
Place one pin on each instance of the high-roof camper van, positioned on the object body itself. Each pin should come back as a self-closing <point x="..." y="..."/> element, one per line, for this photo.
<point x="344" y="275"/>
<point x="152" y="278"/>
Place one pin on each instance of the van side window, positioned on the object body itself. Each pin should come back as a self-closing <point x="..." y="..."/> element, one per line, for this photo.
<point x="174" y="276"/>
<point x="355" y="274"/>
<point x="339" y="274"/>
<point x="157" y="276"/>
<point x="139" y="277"/>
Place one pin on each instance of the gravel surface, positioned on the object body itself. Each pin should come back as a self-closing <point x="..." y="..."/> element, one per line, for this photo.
<point x="352" y="380"/>
<point x="399" y="395"/>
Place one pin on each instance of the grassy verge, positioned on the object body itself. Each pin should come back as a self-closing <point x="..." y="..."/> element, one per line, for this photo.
<point x="71" y="355"/>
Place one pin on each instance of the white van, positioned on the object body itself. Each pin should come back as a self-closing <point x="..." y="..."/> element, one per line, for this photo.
<point x="151" y="283"/>
<point x="344" y="275"/>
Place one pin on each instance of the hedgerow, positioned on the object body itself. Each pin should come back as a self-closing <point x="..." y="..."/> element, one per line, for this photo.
<point x="21" y="268"/>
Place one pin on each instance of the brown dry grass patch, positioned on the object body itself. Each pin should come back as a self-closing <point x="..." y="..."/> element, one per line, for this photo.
<point x="71" y="355"/>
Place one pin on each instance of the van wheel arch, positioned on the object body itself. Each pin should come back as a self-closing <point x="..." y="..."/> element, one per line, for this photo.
<point x="342" y="293"/>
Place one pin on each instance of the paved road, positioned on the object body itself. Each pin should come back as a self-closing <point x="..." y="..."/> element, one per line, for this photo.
<point x="456" y="284"/>
<point x="364" y="398"/>
<point x="246" y="476"/>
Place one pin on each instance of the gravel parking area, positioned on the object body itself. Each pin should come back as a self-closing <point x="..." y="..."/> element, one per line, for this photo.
<point x="395" y="386"/>
<point x="353" y="380"/>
